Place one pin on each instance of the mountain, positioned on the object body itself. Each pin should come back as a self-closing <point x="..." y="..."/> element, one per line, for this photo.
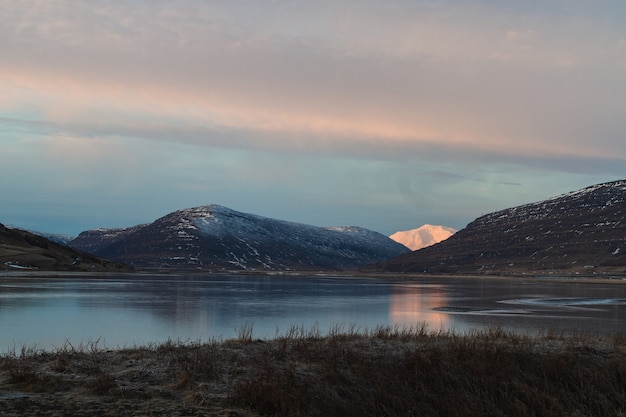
<point x="20" y="249"/>
<point x="423" y="236"/>
<point x="55" y="237"/>
<point x="215" y="237"/>
<point x="92" y="241"/>
<point x="582" y="231"/>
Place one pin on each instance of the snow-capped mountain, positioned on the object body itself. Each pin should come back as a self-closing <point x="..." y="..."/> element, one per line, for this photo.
<point x="216" y="237"/>
<point x="55" y="237"/>
<point x="93" y="240"/>
<point x="423" y="236"/>
<point x="582" y="231"/>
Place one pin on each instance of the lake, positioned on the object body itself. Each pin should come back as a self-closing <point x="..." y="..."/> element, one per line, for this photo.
<point x="139" y="309"/>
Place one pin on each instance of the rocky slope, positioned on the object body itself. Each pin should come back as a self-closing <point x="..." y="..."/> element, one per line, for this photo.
<point x="215" y="237"/>
<point x="579" y="232"/>
<point x="424" y="236"/>
<point x="22" y="250"/>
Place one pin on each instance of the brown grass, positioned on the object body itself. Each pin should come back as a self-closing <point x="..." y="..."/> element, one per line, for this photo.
<point x="386" y="371"/>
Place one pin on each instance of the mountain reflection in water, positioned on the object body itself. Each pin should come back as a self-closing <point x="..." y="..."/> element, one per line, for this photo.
<point x="412" y="305"/>
<point x="135" y="309"/>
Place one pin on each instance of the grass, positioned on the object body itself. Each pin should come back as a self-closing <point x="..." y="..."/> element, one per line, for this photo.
<point x="385" y="371"/>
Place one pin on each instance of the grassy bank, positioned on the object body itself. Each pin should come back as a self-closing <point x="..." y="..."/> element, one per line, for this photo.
<point x="382" y="372"/>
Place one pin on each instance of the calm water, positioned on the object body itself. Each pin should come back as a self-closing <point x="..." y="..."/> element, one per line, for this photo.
<point x="137" y="310"/>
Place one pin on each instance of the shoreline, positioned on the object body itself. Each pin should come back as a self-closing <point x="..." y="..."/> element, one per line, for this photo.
<point x="575" y="278"/>
<point x="384" y="371"/>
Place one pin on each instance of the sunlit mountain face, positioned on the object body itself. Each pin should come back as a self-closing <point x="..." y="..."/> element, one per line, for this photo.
<point x="424" y="236"/>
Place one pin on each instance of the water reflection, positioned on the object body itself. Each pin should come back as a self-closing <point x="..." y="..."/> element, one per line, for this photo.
<point x="131" y="310"/>
<point x="416" y="304"/>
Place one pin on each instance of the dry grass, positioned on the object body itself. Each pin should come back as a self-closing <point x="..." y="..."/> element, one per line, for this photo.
<point x="390" y="371"/>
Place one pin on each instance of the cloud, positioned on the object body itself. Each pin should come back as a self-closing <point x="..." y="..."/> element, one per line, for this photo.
<point x="391" y="73"/>
<point x="367" y="87"/>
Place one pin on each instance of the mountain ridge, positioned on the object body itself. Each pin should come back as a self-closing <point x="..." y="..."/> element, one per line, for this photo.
<point x="216" y="237"/>
<point x="23" y="250"/>
<point x="580" y="232"/>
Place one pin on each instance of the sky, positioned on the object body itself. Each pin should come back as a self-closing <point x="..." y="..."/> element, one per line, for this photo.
<point x="381" y="114"/>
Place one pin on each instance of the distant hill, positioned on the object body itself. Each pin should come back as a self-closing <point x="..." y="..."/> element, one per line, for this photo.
<point x="95" y="240"/>
<point x="423" y="236"/>
<point x="579" y="232"/>
<point x="22" y="250"/>
<point x="55" y="237"/>
<point x="214" y="237"/>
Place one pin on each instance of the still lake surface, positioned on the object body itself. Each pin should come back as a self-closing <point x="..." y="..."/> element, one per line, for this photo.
<point x="131" y="310"/>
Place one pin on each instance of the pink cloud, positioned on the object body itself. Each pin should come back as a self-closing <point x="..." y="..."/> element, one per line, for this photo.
<point x="370" y="83"/>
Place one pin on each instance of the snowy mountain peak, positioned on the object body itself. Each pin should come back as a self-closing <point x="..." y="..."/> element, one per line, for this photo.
<point x="216" y="237"/>
<point x="424" y="236"/>
<point x="581" y="232"/>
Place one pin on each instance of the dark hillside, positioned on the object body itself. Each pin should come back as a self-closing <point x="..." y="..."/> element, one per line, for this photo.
<point x="21" y="250"/>
<point x="579" y="232"/>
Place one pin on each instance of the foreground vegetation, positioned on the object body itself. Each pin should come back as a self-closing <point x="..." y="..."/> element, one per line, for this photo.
<point x="387" y="371"/>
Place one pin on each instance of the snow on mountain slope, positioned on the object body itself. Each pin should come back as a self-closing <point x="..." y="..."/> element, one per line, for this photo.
<point x="581" y="232"/>
<point x="216" y="237"/>
<point x="20" y="249"/>
<point x="55" y="237"/>
<point x="93" y="240"/>
<point x="423" y="236"/>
